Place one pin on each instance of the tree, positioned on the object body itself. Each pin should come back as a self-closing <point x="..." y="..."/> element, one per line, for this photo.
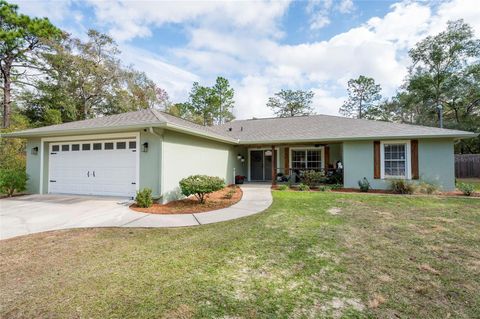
<point x="204" y="103"/>
<point x="21" y="38"/>
<point x="440" y="64"/>
<point x="288" y="103"/>
<point x="224" y="93"/>
<point x="445" y="72"/>
<point x="86" y="79"/>
<point x="363" y="96"/>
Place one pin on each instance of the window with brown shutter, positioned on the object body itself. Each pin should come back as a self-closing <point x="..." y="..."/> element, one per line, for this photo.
<point x="376" y="160"/>
<point x="414" y="159"/>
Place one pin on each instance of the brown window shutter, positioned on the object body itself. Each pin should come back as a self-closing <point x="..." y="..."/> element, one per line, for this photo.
<point x="327" y="156"/>
<point x="287" y="161"/>
<point x="376" y="159"/>
<point x="414" y="158"/>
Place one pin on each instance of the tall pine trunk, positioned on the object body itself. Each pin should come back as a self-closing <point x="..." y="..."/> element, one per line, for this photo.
<point x="7" y="94"/>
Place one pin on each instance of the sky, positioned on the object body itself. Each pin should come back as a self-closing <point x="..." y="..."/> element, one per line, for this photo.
<point x="262" y="46"/>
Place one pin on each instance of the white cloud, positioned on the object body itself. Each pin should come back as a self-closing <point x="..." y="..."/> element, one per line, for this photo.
<point x="346" y="6"/>
<point x="127" y="19"/>
<point x="176" y="81"/>
<point x="240" y="40"/>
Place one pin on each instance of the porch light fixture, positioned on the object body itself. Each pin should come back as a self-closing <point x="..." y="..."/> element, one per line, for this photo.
<point x="145" y="147"/>
<point x="34" y="150"/>
<point x="239" y="156"/>
<point x="242" y="159"/>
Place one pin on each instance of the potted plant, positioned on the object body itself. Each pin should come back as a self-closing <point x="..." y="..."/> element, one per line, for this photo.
<point x="239" y="179"/>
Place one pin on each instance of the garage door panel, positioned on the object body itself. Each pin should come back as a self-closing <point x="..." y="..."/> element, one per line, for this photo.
<point x="93" y="172"/>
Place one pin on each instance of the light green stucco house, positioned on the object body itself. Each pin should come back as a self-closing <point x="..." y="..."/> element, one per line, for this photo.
<point x="120" y="154"/>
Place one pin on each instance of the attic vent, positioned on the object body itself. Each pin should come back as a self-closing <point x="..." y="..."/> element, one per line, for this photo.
<point x="229" y="129"/>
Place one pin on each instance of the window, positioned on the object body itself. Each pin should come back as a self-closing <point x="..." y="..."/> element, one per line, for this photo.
<point x="65" y="148"/>
<point x="132" y="145"/>
<point x="108" y="146"/>
<point x="395" y="160"/>
<point x="121" y="145"/>
<point x="85" y="147"/>
<point x="307" y="159"/>
<point x="97" y="146"/>
<point x="75" y="147"/>
<point x="55" y="148"/>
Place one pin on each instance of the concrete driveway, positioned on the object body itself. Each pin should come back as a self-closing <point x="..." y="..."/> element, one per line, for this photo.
<point x="37" y="213"/>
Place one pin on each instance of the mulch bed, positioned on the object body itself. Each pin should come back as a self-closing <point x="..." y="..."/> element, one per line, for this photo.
<point x="214" y="201"/>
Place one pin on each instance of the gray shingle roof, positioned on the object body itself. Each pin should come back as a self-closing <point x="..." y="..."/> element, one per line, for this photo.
<point x="326" y="127"/>
<point x="137" y="119"/>
<point x="290" y="129"/>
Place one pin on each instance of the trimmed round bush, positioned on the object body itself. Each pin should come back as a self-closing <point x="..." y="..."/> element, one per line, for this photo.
<point x="200" y="186"/>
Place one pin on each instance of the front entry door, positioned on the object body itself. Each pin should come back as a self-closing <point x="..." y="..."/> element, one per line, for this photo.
<point x="261" y="165"/>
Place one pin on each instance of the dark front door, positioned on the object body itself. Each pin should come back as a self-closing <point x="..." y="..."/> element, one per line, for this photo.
<point x="261" y="165"/>
<point x="256" y="165"/>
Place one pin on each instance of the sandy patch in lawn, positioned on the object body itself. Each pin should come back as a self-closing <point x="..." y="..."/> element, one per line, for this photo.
<point x="223" y="198"/>
<point x="334" y="210"/>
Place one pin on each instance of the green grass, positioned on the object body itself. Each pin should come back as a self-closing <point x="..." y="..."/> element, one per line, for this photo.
<point x="474" y="181"/>
<point x="309" y="255"/>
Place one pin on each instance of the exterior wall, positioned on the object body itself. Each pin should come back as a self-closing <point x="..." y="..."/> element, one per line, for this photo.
<point x="185" y="155"/>
<point x="33" y="166"/>
<point x="150" y="162"/>
<point x="241" y="168"/>
<point x="435" y="160"/>
<point x="335" y="153"/>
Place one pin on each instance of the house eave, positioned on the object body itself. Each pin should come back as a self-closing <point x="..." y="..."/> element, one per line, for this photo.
<point x="361" y="138"/>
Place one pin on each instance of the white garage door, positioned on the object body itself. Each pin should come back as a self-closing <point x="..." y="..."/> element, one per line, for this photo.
<point x="93" y="168"/>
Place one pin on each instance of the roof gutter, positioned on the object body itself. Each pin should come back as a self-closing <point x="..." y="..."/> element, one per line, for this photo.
<point x="366" y="138"/>
<point x="87" y="131"/>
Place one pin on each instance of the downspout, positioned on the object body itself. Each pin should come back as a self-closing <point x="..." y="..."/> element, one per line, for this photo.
<point x="160" y="177"/>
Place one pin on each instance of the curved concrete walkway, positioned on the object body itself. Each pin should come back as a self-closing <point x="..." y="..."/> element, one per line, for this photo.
<point x="38" y="213"/>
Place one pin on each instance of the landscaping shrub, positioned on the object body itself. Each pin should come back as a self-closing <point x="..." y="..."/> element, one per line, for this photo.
<point x="324" y="188"/>
<point x="303" y="188"/>
<point x="364" y="185"/>
<point x="144" y="198"/>
<point x="402" y="186"/>
<point x="466" y="189"/>
<point x="230" y="192"/>
<point x="428" y="188"/>
<point x="336" y="186"/>
<point x="334" y="178"/>
<point x="282" y="187"/>
<point x="200" y="186"/>
<point x="311" y="178"/>
<point x="13" y="180"/>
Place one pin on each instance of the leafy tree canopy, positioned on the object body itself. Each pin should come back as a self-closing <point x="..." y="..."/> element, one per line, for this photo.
<point x="363" y="97"/>
<point x="288" y="103"/>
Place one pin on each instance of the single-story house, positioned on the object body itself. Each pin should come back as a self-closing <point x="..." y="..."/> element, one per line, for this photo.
<point x="119" y="154"/>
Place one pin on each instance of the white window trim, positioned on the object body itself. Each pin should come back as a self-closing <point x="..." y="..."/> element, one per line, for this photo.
<point x="262" y="149"/>
<point x="299" y="148"/>
<point x="408" y="162"/>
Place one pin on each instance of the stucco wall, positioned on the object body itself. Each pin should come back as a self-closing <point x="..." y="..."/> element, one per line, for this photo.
<point x="186" y="155"/>
<point x="33" y="166"/>
<point x="435" y="160"/>
<point x="150" y="162"/>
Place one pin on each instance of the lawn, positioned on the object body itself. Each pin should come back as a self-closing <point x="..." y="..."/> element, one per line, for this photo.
<point x="309" y="255"/>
